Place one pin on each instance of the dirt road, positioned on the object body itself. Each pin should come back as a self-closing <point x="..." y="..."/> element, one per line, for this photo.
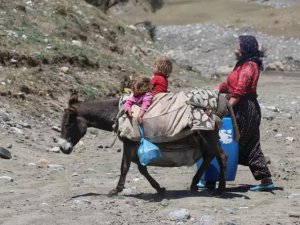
<point x="42" y="187"/>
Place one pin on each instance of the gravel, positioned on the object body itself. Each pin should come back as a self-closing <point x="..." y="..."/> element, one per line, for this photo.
<point x="208" y="47"/>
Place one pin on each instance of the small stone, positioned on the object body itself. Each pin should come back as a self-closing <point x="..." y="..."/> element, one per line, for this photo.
<point x="77" y="43"/>
<point x="9" y="145"/>
<point x="26" y="125"/>
<point x="294" y="195"/>
<point x="16" y="131"/>
<point x="44" y="204"/>
<point x="165" y="202"/>
<point x="65" y="69"/>
<point x="43" y="162"/>
<point x="56" y="167"/>
<point x="55" y="150"/>
<point x="180" y="215"/>
<point x="6" y="179"/>
<point x="272" y="108"/>
<point x="291" y="139"/>
<point x="278" y="135"/>
<point x="56" y="128"/>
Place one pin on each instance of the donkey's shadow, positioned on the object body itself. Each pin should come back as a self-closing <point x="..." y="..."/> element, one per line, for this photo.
<point x="230" y="193"/>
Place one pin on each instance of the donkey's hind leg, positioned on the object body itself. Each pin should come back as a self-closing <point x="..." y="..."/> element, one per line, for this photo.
<point x="206" y="160"/>
<point x="143" y="170"/>
<point x="222" y="160"/>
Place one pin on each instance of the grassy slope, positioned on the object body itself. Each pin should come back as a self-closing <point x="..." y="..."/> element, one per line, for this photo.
<point x="224" y="12"/>
<point x="38" y="40"/>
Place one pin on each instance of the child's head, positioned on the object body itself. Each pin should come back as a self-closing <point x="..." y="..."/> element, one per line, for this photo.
<point x="140" y="85"/>
<point x="163" y="66"/>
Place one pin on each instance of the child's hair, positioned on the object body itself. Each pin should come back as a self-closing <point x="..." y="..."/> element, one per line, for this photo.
<point x="164" y="66"/>
<point x="140" y="85"/>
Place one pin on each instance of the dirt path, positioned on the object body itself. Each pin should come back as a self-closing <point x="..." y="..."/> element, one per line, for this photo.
<point x="53" y="188"/>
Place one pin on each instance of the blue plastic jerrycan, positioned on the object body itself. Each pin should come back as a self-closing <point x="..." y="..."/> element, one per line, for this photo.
<point x="231" y="149"/>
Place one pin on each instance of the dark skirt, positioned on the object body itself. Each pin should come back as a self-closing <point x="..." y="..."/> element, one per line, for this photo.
<point x="248" y="116"/>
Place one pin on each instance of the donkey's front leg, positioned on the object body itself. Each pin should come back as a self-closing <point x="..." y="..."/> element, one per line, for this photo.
<point x="126" y="161"/>
<point x="143" y="170"/>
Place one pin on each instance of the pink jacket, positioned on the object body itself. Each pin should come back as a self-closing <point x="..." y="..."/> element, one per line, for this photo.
<point x="143" y="101"/>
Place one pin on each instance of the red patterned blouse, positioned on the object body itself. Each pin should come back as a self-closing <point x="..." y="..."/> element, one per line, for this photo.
<point x="242" y="81"/>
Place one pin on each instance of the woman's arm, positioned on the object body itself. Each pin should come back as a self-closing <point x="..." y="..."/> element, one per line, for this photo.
<point x="233" y="101"/>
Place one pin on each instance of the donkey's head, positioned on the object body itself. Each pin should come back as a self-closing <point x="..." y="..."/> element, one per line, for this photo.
<point x="73" y="126"/>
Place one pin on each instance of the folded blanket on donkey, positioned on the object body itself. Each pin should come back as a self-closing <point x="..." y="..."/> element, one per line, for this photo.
<point x="173" y="116"/>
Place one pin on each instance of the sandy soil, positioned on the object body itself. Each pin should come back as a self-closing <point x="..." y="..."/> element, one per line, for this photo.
<point x="53" y="188"/>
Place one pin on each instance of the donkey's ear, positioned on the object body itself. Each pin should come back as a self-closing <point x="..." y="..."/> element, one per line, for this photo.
<point x="74" y="97"/>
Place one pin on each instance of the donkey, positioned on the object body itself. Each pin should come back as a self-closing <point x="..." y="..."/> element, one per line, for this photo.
<point x="102" y="114"/>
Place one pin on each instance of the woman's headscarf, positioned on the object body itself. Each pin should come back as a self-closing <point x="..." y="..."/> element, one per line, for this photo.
<point x="250" y="51"/>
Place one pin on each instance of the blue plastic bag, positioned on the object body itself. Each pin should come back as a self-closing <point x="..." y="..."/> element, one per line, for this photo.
<point x="147" y="152"/>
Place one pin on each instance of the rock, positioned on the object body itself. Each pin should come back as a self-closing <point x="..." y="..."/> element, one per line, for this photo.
<point x="290" y="139"/>
<point x="25" y="125"/>
<point x="275" y="66"/>
<point x="64" y="69"/>
<point x="43" y="162"/>
<point x="180" y="215"/>
<point x="56" y="167"/>
<point x="288" y="116"/>
<point x="294" y="195"/>
<point x="4" y="153"/>
<point x="205" y="220"/>
<point x="272" y="108"/>
<point x="79" y="203"/>
<point x="77" y="43"/>
<point x="6" y="179"/>
<point x="17" y="131"/>
<point x="54" y="149"/>
<point x="278" y="135"/>
<point x="45" y="204"/>
<point x="4" y="116"/>
<point x="165" y="202"/>
<point x="56" y="128"/>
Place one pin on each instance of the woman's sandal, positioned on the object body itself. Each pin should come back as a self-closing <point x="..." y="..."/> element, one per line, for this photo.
<point x="260" y="187"/>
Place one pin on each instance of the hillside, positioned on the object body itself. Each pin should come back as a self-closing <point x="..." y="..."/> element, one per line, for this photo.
<point x="48" y="48"/>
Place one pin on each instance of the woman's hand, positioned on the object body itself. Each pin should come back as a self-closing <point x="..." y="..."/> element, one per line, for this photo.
<point x="233" y="101"/>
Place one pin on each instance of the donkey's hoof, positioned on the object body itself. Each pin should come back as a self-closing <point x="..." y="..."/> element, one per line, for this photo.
<point x="161" y="191"/>
<point x="113" y="192"/>
<point x="194" y="188"/>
